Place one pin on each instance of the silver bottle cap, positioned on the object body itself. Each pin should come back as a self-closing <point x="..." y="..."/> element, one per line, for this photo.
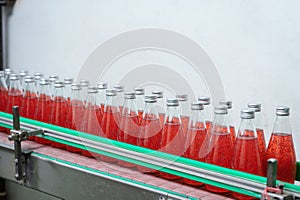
<point x="38" y="75"/>
<point x="222" y="109"/>
<point x="282" y="111"/>
<point x="102" y="86"/>
<point x="247" y="114"/>
<point x="8" y="71"/>
<point x="226" y="103"/>
<point x="139" y="91"/>
<point x="68" y="81"/>
<point x="172" y="102"/>
<point x="111" y="92"/>
<point x="254" y="106"/>
<point x="1" y="73"/>
<point x="182" y="97"/>
<point x="129" y="95"/>
<point x="23" y="72"/>
<point x="14" y="77"/>
<point x="119" y="88"/>
<point x="197" y="106"/>
<point x="58" y="84"/>
<point x="29" y="79"/>
<point x="159" y="94"/>
<point x="75" y="86"/>
<point x="53" y="78"/>
<point x="204" y="100"/>
<point x="44" y="81"/>
<point x="92" y="89"/>
<point x="84" y="83"/>
<point x="150" y="98"/>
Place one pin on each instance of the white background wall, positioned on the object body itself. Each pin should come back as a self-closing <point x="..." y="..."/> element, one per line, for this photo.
<point x="255" y="45"/>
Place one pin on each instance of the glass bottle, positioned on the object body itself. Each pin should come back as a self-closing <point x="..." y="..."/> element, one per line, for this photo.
<point x="195" y="137"/>
<point x="7" y="73"/>
<point x="59" y="110"/>
<point x="68" y="88"/>
<point x="256" y="107"/>
<point x="218" y="146"/>
<point x="52" y="80"/>
<point x="111" y="119"/>
<point x="37" y="77"/>
<point x="246" y="156"/>
<point x="172" y="134"/>
<point x="14" y="93"/>
<point x="208" y="110"/>
<point x="22" y="74"/>
<point x="101" y="94"/>
<point x="75" y="113"/>
<point x="29" y="99"/>
<point x="229" y="119"/>
<point x="43" y="107"/>
<point x="160" y="105"/>
<point x="150" y="129"/>
<point x="84" y="86"/>
<point x="140" y="92"/>
<point x="129" y="125"/>
<point x="90" y="122"/>
<point x="281" y="146"/>
<point x="184" y="110"/>
<point x="120" y="91"/>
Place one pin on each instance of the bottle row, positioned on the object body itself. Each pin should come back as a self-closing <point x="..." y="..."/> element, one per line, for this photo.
<point x="143" y="120"/>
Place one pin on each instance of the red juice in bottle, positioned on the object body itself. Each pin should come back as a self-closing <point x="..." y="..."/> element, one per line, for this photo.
<point x="218" y="146"/>
<point x="184" y="110"/>
<point x="29" y="99"/>
<point x="195" y="137"/>
<point x="229" y="120"/>
<point x="150" y="129"/>
<point x="90" y="122"/>
<point x="101" y="97"/>
<point x="59" y="111"/>
<point x="247" y="157"/>
<point x="172" y="135"/>
<point x="43" y="107"/>
<point x="14" y="93"/>
<point x="3" y="96"/>
<point x="120" y="96"/>
<point x="68" y="88"/>
<point x="281" y="146"/>
<point x="207" y="110"/>
<point x="160" y="105"/>
<point x="258" y="122"/>
<point x="129" y="125"/>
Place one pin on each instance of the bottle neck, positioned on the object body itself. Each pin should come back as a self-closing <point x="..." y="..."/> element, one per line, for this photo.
<point x="29" y="90"/>
<point x="247" y="129"/>
<point x="91" y="102"/>
<point x="44" y="93"/>
<point x="150" y="111"/>
<point x="173" y="115"/>
<point x="129" y="108"/>
<point x="282" y="125"/>
<point x="67" y="91"/>
<point x="140" y="103"/>
<point x="197" y="120"/>
<point x="111" y="104"/>
<point x="15" y="88"/>
<point x="219" y="125"/>
<point x="119" y="99"/>
<point x="3" y="84"/>
<point x="101" y="97"/>
<point x="58" y="94"/>
<point x="76" y="98"/>
<point x="184" y="108"/>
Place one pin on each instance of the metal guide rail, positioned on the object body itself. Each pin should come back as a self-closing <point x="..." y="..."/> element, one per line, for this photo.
<point x="233" y="180"/>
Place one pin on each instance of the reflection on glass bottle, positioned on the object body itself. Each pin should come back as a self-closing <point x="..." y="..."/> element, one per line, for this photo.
<point x="229" y="119"/>
<point x="160" y="105"/>
<point x="207" y="110"/>
<point x="14" y="93"/>
<point x="184" y="110"/>
<point x="140" y="92"/>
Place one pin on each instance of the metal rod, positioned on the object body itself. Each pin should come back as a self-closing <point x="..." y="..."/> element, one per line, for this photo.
<point x="272" y="172"/>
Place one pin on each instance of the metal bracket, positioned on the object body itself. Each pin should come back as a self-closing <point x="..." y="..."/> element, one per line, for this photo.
<point x="17" y="135"/>
<point x="271" y="184"/>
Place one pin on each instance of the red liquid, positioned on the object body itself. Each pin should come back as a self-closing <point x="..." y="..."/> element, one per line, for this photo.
<point x="219" y="152"/>
<point x="185" y="123"/>
<point x="150" y="137"/>
<point x="15" y="100"/>
<point x="281" y="147"/>
<point x="194" y="140"/>
<point x="90" y="124"/>
<point x="110" y="127"/>
<point x="172" y="143"/>
<point x="262" y="148"/>
<point x="3" y="102"/>
<point x="162" y="119"/>
<point x="247" y="158"/>
<point x="43" y="112"/>
<point x="128" y="133"/>
<point x="232" y="133"/>
<point x="29" y="105"/>
<point x="140" y="113"/>
<point x="58" y="117"/>
<point x="74" y="119"/>
<point x="208" y="124"/>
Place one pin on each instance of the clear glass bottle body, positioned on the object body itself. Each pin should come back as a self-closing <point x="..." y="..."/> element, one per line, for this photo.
<point x="229" y="119"/>
<point x="3" y="92"/>
<point x="160" y="105"/>
<point x="281" y="146"/>
<point x="29" y="99"/>
<point x="208" y="110"/>
<point x="184" y="110"/>
<point x="140" y="103"/>
<point x="14" y="93"/>
<point x="68" y="88"/>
